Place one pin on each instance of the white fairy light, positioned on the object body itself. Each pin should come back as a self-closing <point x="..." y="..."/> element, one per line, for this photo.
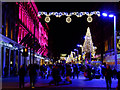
<point x="87" y="13"/>
<point x="50" y="13"/>
<point x="45" y="13"/>
<point x="84" y="13"/>
<point x="68" y="19"/>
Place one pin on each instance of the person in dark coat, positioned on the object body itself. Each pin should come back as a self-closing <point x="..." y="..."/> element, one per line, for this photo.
<point x="22" y="74"/>
<point x="5" y="71"/>
<point x="108" y="76"/>
<point x="114" y="73"/>
<point x="118" y="77"/>
<point x="33" y="75"/>
<point x="68" y="73"/>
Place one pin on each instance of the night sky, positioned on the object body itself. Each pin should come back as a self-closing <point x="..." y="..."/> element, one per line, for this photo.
<point x="63" y="37"/>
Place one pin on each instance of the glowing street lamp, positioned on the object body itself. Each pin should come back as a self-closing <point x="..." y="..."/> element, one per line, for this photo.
<point x="81" y="49"/>
<point x="115" y="50"/>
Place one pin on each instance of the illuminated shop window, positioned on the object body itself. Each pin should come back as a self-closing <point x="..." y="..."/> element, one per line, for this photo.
<point x="6" y="28"/>
<point x="106" y="45"/>
<point x="12" y="33"/>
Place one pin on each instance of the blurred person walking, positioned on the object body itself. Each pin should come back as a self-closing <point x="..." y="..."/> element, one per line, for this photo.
<point x="22" y="73"/>
<point x="108" y="76"/>
<point x="33" y="75"/>
<point x="114" y="73"/>
<point x="118" y="76"/>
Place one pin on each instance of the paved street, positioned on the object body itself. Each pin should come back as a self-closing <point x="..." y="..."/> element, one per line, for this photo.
<point x="81" y="83"/>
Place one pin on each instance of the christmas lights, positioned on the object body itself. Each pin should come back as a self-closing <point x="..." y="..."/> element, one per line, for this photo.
<point x="68" y="19"/>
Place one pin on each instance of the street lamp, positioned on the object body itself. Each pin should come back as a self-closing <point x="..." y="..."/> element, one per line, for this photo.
<point x="77" y="53"/>
<point x="115" y="50"/>
<point x="81" y="49"/>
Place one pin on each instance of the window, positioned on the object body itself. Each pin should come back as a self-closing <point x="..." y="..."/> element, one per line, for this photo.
<point x="106" y="45"/>
<point x="20" y="12"/>
<point x="12" y="33"/>
<point x="6" y="28"/>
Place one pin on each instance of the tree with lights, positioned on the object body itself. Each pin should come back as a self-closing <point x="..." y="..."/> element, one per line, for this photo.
<point x="88" y="47"/>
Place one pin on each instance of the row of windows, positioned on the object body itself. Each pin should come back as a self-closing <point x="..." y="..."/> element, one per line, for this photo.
<point x="109" y="44"/>
<point x="22" y="33"/>
<point x="7" y="26"/>
<point x="26" y="16"/>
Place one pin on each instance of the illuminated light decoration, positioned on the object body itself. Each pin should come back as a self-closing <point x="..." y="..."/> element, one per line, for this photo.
<point x="78" y="14"/>
<point x="68" y="19"/>
<point x="98" y="13"/>
<point x="65" y="13"/>
<point x="81" y="14"/>
<point x="45" y="13"/>
<point x="47" y="19"/>
<point x="50" y="13"/>
<point x="87" y="13"/>
<point x="60" y="14"/>
<point x="88" y="44"/>
<point x="42" y="13"/>
<point x="70" y="14"/>
<point x="84" y="13"/>
<point x="89" y="19"/>
<point x="91" y="13"/>
<point x="74" y="13"/>
<point x="39" y="13"/>
<point x="118" y="44"/>
<point x="56" y="14"/>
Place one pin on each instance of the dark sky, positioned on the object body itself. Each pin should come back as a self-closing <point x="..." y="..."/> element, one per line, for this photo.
<point x="63" y="36"/>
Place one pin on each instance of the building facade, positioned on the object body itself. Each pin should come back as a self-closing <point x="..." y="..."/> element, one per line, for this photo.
<point x="21" y="27"/>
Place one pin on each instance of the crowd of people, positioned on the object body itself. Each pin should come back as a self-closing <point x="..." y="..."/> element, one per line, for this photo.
<point x="66" y="72"/>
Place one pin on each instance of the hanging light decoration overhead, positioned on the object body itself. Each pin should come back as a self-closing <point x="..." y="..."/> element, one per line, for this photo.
<point x="68" y="19"/>
<point x="89" y="19"/>
<point x="47" y="19"/>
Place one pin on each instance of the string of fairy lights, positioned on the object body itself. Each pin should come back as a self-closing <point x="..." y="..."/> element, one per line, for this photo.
<point x="68" y="15"/>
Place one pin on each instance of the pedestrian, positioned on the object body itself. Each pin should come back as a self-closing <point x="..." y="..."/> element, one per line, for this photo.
<point x="56" y="75"/>
<point x="118" y="77"/>
<point x="103" y="71"/>
<point x="63" y="71"/>
<point x="22" y="74"/>
<point x="114" y="73"/>
<point x="33" y="75"/>
<point x="5" y="71"/>
<point x="108" y="76"/>
<point x="68" y="73"/>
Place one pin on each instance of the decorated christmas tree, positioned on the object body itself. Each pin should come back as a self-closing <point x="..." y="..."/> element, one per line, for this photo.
<point x="88" y="44"/>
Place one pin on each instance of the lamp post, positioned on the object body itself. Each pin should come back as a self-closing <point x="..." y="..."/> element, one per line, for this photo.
<point x="81" y="49"/>
<point x="115" y="50"/>
<point x="77" y="53"/>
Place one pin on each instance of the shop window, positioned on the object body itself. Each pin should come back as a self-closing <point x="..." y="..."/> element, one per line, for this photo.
<point x="12" y="33"/>
<point x="106" y="45"/>
<point x="6" y="28"/>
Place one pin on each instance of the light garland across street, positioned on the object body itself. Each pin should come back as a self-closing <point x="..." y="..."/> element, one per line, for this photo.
<point x="68" y="19"/>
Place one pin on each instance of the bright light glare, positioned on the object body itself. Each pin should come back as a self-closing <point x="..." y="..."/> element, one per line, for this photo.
<point x="111" y="15"/>
<point x="104" y="14"/>
<point x="78" y="45"/>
